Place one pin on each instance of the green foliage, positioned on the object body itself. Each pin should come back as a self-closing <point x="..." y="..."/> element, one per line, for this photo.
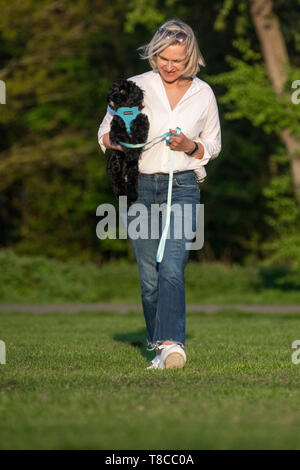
<point x="38" y="279"/>
<point x="238" y="8"/>
<point x="284" y="245"/>
<point x="58" y="60"/>
<point x="145" y="12"/>
<point x="249" y="95"/>
<point x="52" y="172"/>
<point x="220" y="23"/>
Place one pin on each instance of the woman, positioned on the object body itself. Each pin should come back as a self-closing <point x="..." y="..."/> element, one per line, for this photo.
<point x="174" y="97"/>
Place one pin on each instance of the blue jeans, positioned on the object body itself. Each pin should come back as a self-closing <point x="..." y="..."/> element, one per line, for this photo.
<point x="162" y="284"/>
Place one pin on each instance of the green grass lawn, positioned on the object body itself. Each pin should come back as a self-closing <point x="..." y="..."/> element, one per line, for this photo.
<point x="36" y="279"/>
<point x="78" y="381"/>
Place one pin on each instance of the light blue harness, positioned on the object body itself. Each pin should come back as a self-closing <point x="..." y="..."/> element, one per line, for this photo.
<point x="128" y="115"/>
<point x="167" y="135"/>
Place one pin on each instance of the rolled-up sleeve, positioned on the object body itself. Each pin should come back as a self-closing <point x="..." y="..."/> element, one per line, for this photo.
<point x="210" y="136"/>
<point x="105" y="127"/>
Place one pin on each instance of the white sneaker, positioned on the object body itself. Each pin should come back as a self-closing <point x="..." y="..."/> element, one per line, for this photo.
<point x="172" y="356"/>
<point x="155" y="363"/>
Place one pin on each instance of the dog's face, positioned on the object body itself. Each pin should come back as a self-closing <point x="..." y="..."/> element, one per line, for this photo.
<point x="125" y="93"/>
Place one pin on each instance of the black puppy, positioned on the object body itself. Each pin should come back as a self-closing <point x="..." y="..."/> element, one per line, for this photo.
<point x="122" y="167"/>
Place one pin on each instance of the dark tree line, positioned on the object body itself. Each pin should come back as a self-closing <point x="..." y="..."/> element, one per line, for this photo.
<point x="58" y="59"/>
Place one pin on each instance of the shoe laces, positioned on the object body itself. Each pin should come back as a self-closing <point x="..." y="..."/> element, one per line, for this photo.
<point x="166" y="346"/>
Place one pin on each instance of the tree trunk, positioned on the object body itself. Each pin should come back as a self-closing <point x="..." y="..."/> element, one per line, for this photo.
<point x="277" y="63"/>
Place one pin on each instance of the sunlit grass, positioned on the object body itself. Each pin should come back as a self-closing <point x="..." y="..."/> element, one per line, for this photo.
<point x="79" y="382"/>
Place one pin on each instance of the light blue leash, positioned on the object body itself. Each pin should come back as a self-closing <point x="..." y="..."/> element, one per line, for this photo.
<point x="161" y="246"/>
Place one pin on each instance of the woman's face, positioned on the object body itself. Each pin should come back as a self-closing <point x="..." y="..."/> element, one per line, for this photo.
<point x="171" y="62"/>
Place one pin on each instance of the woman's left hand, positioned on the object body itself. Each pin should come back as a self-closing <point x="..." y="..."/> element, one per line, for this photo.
<point x="181" y="143"/>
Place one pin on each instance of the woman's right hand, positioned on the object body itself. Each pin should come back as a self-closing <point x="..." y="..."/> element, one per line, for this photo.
<point x="109" y="145"/>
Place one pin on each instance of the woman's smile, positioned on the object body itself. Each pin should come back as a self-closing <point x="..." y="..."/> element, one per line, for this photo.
<point x="169" y="73"/>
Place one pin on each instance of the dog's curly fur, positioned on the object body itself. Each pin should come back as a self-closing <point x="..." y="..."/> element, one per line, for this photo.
<point x="122" y="167"/>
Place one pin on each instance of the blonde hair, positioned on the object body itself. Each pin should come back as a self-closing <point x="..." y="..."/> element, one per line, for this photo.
<point x="161" y="41"/>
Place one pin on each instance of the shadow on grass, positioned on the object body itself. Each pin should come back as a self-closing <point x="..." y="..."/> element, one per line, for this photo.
<point x="136" y="339"/>
<point x="279" y="277"/>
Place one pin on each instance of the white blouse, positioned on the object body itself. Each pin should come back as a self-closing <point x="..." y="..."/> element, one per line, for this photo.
<point x="196" y="114"/>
